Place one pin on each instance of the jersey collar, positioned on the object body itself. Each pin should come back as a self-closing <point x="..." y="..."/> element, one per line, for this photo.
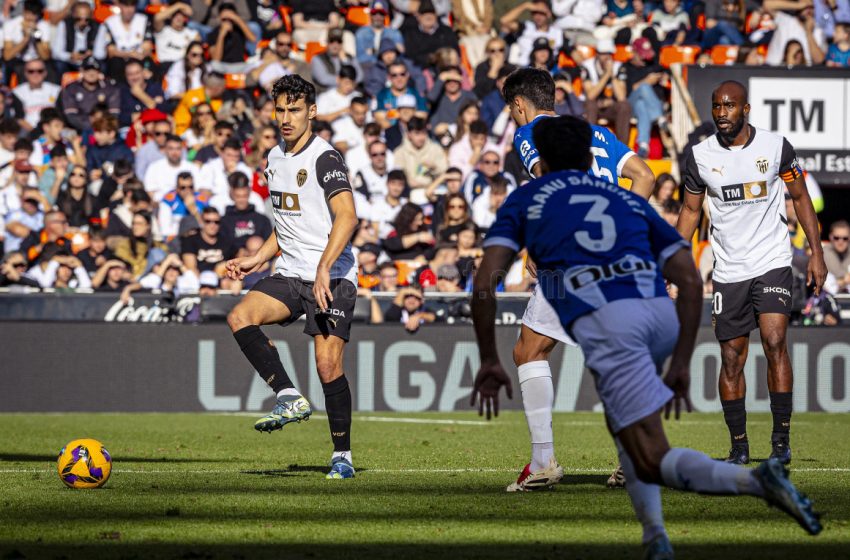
<point x="304" y="147"/>
<point x="752" y="137"/>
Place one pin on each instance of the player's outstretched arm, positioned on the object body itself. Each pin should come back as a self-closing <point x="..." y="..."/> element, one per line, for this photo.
<point x="642" y="177"/>
<point x="680" y="270"/>
<point x="491" y="376"/>
<point x="240" y="267"/>
<point x="808" y="219"/>
<point x="344" y="224"/>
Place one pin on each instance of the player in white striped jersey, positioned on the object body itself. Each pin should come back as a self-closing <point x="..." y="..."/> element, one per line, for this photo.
<point x="314" y="275"/>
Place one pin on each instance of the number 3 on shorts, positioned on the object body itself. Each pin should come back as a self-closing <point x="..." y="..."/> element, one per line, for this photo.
<point x="717" y="303"/>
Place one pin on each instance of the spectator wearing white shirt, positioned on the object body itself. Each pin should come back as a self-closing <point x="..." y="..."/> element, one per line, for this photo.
<point x="386" y="208"/>
<point x="122" y="36"/>
<point x="540" y="25"/>
<point x="26" y="37"/>
<point x="371" y="180"/>
<point x="171" y="34"/>
<point x="334" y="103"/>
<point x="578" y="18"/>
<point x="214" y="174"/>
<point x="800" y="27"/>
<point x="161" y="175"/>
<point x="348" y="129"/>
<point x="484" y="207"/>
<point x="73" y="41"/>
<point x="35" y="94"/>
<point x="237" y="181"/>
<point x="357" y="158"/>
<point x="187" y="73"/>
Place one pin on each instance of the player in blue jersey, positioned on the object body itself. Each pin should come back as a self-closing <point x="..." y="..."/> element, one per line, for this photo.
<point x="602" y="257"/>
<point x="530" y="94"/>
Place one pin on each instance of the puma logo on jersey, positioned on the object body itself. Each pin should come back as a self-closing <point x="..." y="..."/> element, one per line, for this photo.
<point x="783" y="301"/>
<point x="718" y="171"/>
<point x="270" y="174"/>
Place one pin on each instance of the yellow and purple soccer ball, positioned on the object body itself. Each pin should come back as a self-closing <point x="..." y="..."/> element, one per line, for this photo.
<point x="84" y="463"/>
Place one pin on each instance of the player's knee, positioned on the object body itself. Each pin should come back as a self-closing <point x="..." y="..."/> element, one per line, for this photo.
<point x="328" y="368"/>
<point x="774" y="343"/>
<point x="238" y="319"/>
<point x="648" y="466"/>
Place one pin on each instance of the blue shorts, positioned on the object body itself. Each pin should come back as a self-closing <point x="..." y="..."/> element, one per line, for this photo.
<point x="625" y="344"/>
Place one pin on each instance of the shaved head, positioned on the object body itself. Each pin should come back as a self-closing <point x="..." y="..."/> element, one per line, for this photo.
<point x="732" y="89"/>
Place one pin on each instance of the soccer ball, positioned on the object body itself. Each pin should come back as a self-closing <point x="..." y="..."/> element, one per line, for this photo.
<point x="84" y="463"/>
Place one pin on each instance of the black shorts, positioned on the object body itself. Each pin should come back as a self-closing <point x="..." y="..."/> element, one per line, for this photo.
<point x="737" y="305"/>
<point x="297" y="295"/>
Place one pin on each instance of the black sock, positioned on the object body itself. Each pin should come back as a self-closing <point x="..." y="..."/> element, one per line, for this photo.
<point x="781" y="405"/>
<point x="263" y="356"/>
<point x="735" y="414"/>
<point x="338" y="407"/>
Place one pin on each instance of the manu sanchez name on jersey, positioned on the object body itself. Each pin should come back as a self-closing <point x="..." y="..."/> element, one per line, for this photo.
<point x="301" y="185"/>
<point x="609" y="154"/>
<point x="746" y="201"/>
<point x="594" y="242"/>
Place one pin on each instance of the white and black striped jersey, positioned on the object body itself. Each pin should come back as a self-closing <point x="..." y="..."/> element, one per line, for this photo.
<point x="301" y="185"/>
<point x="745" y="188"/>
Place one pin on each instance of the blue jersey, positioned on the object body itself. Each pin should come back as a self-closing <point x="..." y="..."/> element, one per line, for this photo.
<point x="609" y="154"/>
<point x="593" y="242"/>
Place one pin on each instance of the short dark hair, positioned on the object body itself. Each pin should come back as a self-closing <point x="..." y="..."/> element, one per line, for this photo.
<point x="34" y="7"/>
<point x="321" y="126"/>
<point x="563" y="142"/>
<point x="210" y="210"/>
<point x="397" y="175"/>
<point x="360" y="100"/>
<point x="347" y="71"/>
<point x="417" y="124"/>
<point x="535" y="86"/>
<point x="183" y="175"/>
<point x="294" y="87"/>
<point x="50" y="114"/>
<point x="139" y="195"/>
<point x="10" y="126"/>
<point x="372" y="129"/>
<point x="223" y="125"/>
<point x="479" y="127"/>
<point x="22" y="144"/>
<point x="232" y="144"/>
<point x="122" y="167"/>
<point x="58" y="151"/>
<point x="238" y="180"/>
<point x="171" y="137"/>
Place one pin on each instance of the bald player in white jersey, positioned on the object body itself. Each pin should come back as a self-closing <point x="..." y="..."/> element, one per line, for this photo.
<point x="315" y="274"/>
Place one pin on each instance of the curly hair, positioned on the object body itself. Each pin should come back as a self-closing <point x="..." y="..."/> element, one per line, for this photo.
<point x="294" y="87"/>
<point x="403" y="222"/>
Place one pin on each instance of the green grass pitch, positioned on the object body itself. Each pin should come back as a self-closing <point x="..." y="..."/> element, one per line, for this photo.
<point x="209" y="486"/>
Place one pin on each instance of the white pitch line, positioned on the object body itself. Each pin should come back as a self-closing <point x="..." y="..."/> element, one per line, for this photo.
<point x="379" y="471"/>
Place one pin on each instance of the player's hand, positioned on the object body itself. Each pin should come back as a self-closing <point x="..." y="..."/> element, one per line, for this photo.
<point x="816" y="271"/>
<point x="240" y="267"/>
<point x="678" y="378"/>
<point x="490" y="378"/>
<point x="322" y="288"/>
<point x="531" y="267"/>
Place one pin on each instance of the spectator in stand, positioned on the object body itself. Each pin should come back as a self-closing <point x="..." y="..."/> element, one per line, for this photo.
<point x="325" y="66"/>
<point x="9" y="132"/>
<point x="371" y="180"/>
<point x="442" y="187"/>
<point x="138" y="94"/>
<point x="229" y="41"/>
<point x="79" y="98"/>
<point x="473" y="19"/>
<point x="838" y="54"/>
<point x="242" y="219"/>
<point x="214" y="175"/>
<point x="12" y="271"/>
<point x="369" y="38"/>
<point x="20" y="223"/>
<point x="837" y="253"/>
<point x="828" y="13"/>
<point x="222" y="132"/>
<point x="113" y="277"/>
<point x="447" y="97"/>
<point x="139" y="250"/>
<point x="161" y="176"/>
<point x="455" y="216"/>
<point x="323" y="130"/>
<point x="489" y="70"/>
<point x="376" y="75"/>
<point x="408" y="308"/>
<point x="368" y="276"/>
<point x="484" y="207"/>
<point x="469" y="251"/>
<point x="619" y="21"/>
<point x="671" y="24"/>
<point x="121" y="37"/>
<point x="358" y="157"/>
<point x="277" y="61"/>
<point x="74" y="40"/>
<point x="446" y="58"/>
<point x="208" y="249"/>
<point x="426" y="276"/>
<point x="539" y="26"/>
<point x="52" y="129"/>
<point x="385" y="106"/>
<point x="542" y="57"/>
<point x="249" y="200"/>
<point x="410" y="239"/>
<point x="76" y="202"/>
<point x="134" y="199"/>
<point x="312" y="19"/>
<point x="350" y="127"/>
<point x="389" y="277"/>
<point x="70" y="274"/>
<point x="386" y="208"/>
<point x="642" y="77"/>
<point x="425" y="34"/>
<point x="334" y="104"/>
<point x="605" y="96"/>
<point x="35" y="94"/>
<point x="406" y="109"/>
<point x="488" y="171"/>
<point x="466" y="152"/>
<point x="566" y="101"/>
<point x="493" y="105"/>
<point x="107" y="149"/>
<point x="449" y="279"/>
<point x="201" y="132"/>
<point x="210" y="93"/>
<point x="54" y="232"/>
<point x="96" y="253"/>
<point x="157" y="129"/>
<point x="171" y="275"/>
<point x="22" y="155"/>
<point x="179" y="203"/>
<point x="186" y="73"/>
<point x="578" y="19"/>
<point x="724" y="23"/>
<point x="793" y="54"/>
<point x="172" y="36"/>
<point x="421" y="159"/>
<point x="252" y="247"/>
<point x="26" y="37"/>
<point x="665" y="186"/>
<point x="800" y="27"/>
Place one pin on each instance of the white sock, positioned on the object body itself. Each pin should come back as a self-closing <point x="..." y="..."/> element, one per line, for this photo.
<point x="646" y="499"/>
<point x="344" y="454"/>
<point x="538" y="394"/>
<point x="289" y="392"/>
<point x="686" y="469"/>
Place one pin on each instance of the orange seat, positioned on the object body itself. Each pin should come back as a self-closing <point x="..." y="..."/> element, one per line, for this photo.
<point x="672" y="54"/>
<point x="357" y="15"/>
<point x="313" y="48"/>
<point x="724" y="55"/>
<point x="586" y="51"/>
<point x="153" y="9"/>
<point x="464" y="61"/>
<point x="69" y="77"/>
<point x="565" y="61"/>
<point x="103" y="11"/>
<point x="623" y="53"/>
<point x="234" y="81"/>
<point x="264" y="44"/>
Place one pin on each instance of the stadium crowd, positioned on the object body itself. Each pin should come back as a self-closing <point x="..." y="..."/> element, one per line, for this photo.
<point x="134" y="134"/>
